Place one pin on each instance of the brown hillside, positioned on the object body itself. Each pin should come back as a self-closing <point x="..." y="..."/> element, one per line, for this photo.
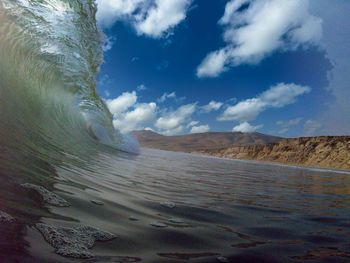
<point x="201" y="141"/>
<point x="325" y="152"/>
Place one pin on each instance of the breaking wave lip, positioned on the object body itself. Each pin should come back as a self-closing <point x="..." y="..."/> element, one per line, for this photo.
<point x="50" y="55"/>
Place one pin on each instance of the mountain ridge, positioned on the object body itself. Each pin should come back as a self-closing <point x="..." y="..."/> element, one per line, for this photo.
<point x="200" y="141"/>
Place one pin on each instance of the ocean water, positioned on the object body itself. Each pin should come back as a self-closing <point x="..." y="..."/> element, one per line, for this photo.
<point x="55" y="132"/>
<point x="242" y="211"/>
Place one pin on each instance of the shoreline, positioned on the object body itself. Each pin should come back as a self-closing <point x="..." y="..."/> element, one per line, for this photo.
<point x="320" y="152"/>
<point x="324" y="152"/>
<point x="275" y="163"/>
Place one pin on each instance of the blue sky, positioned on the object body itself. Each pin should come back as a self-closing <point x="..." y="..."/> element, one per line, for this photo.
<point x="272" y="66"/>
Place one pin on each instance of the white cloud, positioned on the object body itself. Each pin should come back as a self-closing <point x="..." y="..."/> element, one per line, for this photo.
<point x="163" y="65"/>
<point x="109" y="11"/>
<point x="246" y="127"/>
<point x="153" y="18"/>
<point x="335" y="14"/>
<point x="103" y="80"/>
<point x="212" y="106"/>
<point x="107" y="93"/>
<point x="214" y="63"/>
<point x="231" y="100"/>
<point x="283" y="131"/>
<point x="129" y="115"/>
<point x="200" y="129"/>
<point x="108" y="44"/>
<point x="286" y="124"/>
<point x="171" y="95"/>
<point x="264" y="27"/>
<point x="192" y="123"/>
<point x="174" y="122"/>
<point x="312" y="128"/>
<point x="243" y="111"/>
<point x="166" y="96"/>
<point x="275" y="97"/>
<point x="163" y="16"/>
<point x="122" y="103"/>
<point x="143" y="113"/>
<point x="141" y="87"/>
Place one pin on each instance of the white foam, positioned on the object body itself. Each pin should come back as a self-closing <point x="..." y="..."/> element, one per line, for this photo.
<point x="73" y="242"/>
<point x="132" y="218"/>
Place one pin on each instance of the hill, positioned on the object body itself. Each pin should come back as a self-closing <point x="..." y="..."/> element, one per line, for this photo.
<point x="331" y="152"/>
<point x="201" y="141"/>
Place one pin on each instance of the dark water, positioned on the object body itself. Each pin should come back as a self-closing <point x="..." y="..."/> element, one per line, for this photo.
<point x="243" y="211"/>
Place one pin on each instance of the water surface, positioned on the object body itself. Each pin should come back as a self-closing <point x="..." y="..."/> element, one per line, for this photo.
<point x="243" y="211"/>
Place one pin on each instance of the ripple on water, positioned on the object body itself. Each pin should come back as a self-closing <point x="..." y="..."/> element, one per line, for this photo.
<point x="97" y="202"/>
<point x="187" y="256"/>
<point x="168" y="204"/>
<point x="323" y="252"/>
<point x="158" y="224"/>
<point x="5" y="217"/>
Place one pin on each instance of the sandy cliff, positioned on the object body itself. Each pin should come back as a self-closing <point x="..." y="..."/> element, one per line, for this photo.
<point x="324" y="152"/>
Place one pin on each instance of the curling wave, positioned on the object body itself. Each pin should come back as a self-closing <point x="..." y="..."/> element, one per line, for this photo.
<point x="50" y="54"/>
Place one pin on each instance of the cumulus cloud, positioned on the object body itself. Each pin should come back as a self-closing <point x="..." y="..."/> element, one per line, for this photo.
<point x="153" y="18"/>
<point x="163" y="65"/>
<point x="263" y="27"/>
<point x="192" y="123"/>
<point x="141" y="87"/>
<point x="122" y="103"/>
<point x="109" y="11"/>
<point x="164" y="15"/>
<point x="108" y="44"/>
<point x="214" y="63"/>
<point x="129" y="115"/>
<point x="171" y="95"/>
<point x="212" y="106"/>
<point x="335" y="14"/>
<point x="200" y="129"/>
<point x="312" y="128"/>
<point x="246" y="127"/>
<point x="107" y="93"/>
<point x="103" y="80"/>
<point x="287" y="124"/>
<point x="166" y="96"/>
<point x="143" y="113"/>
<point x="275" y="97"/>
<point x="174" y="122"/>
